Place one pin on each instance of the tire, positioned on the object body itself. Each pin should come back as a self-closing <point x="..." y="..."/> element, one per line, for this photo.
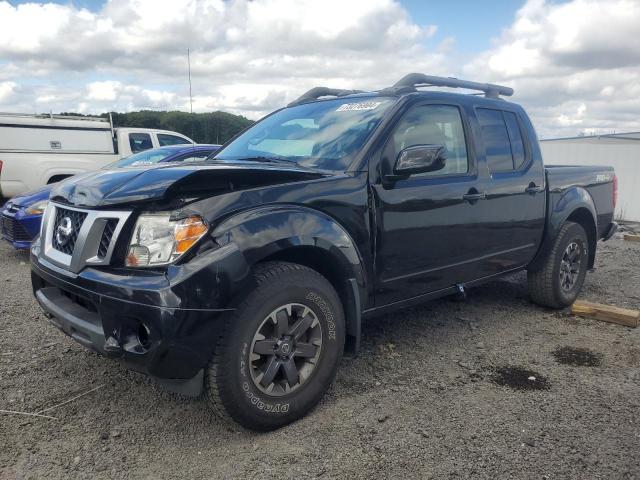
<point x="550" y="286"/>
<point x="240" y="384"/>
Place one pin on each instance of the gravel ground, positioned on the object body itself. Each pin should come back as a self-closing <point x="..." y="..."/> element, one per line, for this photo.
<point x="435" y="393"/>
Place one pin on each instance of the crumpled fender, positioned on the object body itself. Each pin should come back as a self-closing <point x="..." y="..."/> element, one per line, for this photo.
<point x="261" y="232"/>
<point x="264" y="231"/>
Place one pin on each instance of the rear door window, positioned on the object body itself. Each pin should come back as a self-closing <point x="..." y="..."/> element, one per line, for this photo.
<point x="139" y="142"/>
<point x="515" y="137"/>
<point x="502" y="138"/>
<point x="496" y="140"/>
<point x="165" y="139"/>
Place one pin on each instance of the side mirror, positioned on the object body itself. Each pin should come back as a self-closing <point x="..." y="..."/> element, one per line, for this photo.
<point x="420" y="159"/>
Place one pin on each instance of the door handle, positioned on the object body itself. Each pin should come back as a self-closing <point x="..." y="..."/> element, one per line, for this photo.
<point x="473" y="196"/>
<point x="533" y="189"/>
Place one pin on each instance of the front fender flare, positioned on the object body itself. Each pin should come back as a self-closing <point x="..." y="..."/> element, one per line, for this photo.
<point x="262" y="232"/>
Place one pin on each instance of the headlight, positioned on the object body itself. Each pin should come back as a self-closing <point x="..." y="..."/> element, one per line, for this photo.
<point x="37" y="208"/>
<point x="158" y="240"/>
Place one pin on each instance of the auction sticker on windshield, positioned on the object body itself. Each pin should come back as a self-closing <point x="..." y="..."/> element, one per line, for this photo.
<point x="354" y="107"/>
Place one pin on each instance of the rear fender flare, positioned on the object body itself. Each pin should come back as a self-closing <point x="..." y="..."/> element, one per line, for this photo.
<point x="570" y="201"/>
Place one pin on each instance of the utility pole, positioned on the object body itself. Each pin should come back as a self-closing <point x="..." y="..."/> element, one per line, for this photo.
<point x="190" y="95"/>
<point x="189" y="67"/>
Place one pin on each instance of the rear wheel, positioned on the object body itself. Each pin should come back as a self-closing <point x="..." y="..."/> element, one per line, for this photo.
<point x="559" y="281"/>
<point x="280" y="349"/>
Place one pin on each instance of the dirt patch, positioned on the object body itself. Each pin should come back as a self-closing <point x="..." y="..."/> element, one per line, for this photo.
<point x="520" y="378"/>
<point x="577" y="357"/>
<point x="417" y="402"/>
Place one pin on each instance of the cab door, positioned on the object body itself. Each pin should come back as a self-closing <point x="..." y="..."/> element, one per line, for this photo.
<point x="427" y="225"/>
<point x="513" y="183"/>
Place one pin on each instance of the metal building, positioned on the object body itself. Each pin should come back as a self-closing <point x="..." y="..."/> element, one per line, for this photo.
<point x="620" y="150"/>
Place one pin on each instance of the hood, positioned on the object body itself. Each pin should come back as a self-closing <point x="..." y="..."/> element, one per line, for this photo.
<point x="142" y="185"/>
<point x="29" y="198"/>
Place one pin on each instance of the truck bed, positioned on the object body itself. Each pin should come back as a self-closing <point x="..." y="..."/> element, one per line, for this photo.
<point x="593" y="183"/>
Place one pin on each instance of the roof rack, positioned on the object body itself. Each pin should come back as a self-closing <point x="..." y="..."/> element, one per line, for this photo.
<point x="412" y="80"/>
<point x="317" y="92"/>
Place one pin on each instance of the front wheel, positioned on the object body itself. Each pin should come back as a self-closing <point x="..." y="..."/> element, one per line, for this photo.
<point x="279" y="351"/>
<point x="559" y="281"/>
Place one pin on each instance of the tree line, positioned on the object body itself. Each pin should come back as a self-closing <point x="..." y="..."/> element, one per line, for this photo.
<point x="211" y="127"/>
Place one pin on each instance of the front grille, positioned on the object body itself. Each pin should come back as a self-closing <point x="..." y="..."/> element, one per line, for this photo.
<point x="7" y="227"/>
<point x="107" y="235"/>
<point x="66" y="243"/>
<point x="13" y="231"/>
<point x="75" y="239"/>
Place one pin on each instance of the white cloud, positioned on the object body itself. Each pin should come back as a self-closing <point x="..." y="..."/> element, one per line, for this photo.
<point x="128" y="96"/>
<point x="7" y="90"/>
<point x="247" y="57"/>
<point x="103" y="91"/>
<point x="574" y="65"/>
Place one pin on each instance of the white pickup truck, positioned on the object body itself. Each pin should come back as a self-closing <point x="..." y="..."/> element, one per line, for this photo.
<point x="39" y="149"/>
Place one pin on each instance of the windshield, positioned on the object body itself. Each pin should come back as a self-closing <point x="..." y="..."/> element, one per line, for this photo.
<point x="323" y="135"/>
<point x="147" y="157"/>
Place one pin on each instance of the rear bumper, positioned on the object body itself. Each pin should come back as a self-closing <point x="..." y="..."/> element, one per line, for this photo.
<point x="174" y="345"/>
<point x="610" y="231"/>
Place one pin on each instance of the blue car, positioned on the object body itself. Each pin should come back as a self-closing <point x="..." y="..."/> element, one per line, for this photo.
<point x="20" y="217"/>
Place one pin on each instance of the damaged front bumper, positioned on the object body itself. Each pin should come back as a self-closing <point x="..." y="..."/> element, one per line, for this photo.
<point x="142" y="318"/>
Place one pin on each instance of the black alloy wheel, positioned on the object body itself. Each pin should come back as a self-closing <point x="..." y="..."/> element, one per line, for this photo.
<point x="285" y="349"/>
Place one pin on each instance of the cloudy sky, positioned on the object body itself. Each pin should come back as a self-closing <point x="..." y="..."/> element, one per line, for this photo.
<point x="575" y="65"/>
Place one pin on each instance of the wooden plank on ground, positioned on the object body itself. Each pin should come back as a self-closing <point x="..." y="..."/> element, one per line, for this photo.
<point x="606" y="313"/>
<point x="631" y="238"/>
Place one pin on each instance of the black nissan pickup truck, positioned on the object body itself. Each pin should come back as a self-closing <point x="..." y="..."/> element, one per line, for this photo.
<point x="247" y="276"/>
